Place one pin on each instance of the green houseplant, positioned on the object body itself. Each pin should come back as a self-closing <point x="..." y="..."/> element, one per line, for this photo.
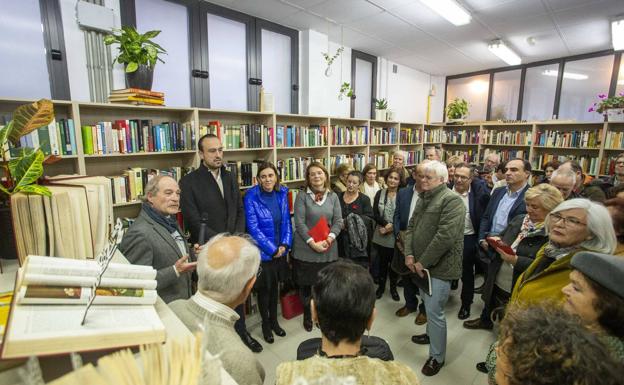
<point x="138" y="53"/>
<point x="381" y="105"/>
<point x="23" y="171"/>
<point x="345" y="90"/>
<point x="612" y="108"/>
<point x="457" y="110"/>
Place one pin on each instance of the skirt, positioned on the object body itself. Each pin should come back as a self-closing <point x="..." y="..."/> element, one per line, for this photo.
<point x="273" y="271"/>
<point x="305" y="273"/>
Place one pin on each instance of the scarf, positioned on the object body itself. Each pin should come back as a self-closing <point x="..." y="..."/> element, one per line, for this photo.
<point x="528" y="228"/>
<point x="166" y="221"/>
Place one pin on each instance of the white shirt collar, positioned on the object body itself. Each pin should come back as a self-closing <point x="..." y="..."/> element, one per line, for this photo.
<point x="464" y="194"/>
<point x="215" y="307"/>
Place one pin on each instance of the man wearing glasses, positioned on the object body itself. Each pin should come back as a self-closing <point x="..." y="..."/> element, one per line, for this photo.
<point x="618" y="177"/>
<point x="211" y="202"/>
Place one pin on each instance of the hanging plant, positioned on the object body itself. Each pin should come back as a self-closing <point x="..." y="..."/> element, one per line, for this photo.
<point x="330" y="59"/>
<point x="345" y="90"/>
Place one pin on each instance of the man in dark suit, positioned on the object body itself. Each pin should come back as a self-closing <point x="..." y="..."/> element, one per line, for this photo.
<point x="211" y="197"/>
<point x="405" y="202"/>
<point x="475" y="198"/>
<point x="505" y="203"/>
<point x="155" y="239"/>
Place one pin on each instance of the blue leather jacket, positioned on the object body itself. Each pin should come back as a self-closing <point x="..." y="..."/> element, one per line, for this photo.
<point x="260" y="222"/>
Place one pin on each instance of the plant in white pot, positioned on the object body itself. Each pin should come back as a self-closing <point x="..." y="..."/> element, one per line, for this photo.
<point x="381" y="105"/>
<point x="138" y="53"/>
<point x="612" y="108"/>
<point x="456" y="111"/>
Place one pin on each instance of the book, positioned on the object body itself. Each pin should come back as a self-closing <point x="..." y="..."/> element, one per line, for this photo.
<point x="133" y="99"/>
<point x="139" y="91"/>
<point x="424" y="282"/>
<point x="499" y="244"/>
<point x="320" y="231"/>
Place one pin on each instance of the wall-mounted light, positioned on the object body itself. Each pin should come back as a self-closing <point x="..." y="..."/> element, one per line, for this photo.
<point x="498" y="48"/>
<point x="566" y="75"/>
<point x="449" y="10"/>
<point x="617" y="34"/>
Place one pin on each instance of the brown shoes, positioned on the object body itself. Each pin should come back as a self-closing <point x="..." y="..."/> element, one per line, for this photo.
<point x="477" y="323"/>
<point x="421" y="319"/>
<point x="404" y="311"/>
<point x="432" y="367"/>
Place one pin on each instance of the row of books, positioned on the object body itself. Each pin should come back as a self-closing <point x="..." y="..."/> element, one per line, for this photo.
<point x="245" y="171"/>
<point x="300" y="136"/>
<point x="506" y="137"/>
<point x="130" y="185"/>
<point x="252" y="135"/>
<point x="137" y="135"/>
<point x="294" y="168"/>
<point x="410" y="136"/>
<point x="349" y="135"/>
<point x="615" y="140"/>
<point x="357" y="161"/>
<point x="552" y="138"/>
<point x="608" y="165"/>
<point x="588" y="164"/>
<point x="413" y="157"/>
<point x="57" y="138"/>
<point x="467" y="156"/>
<point x="505" y="154"/>
<point x="462" y="137"/>
<point x="434" y="136"/>
<point x="381" y="159"/>
<point x="383" y="135"/>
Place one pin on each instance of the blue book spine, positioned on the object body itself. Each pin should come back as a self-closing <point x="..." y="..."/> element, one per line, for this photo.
<point x="72" y="136"/>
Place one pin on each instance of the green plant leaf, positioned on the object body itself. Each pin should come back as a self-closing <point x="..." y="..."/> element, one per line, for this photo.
<point x="110" y="39"/>
<point x="151" y="34"/>
<point x="132" y="66"/>
<point x="29" y="117"/>
<point x="4" y="190"/>
<point x="27" y="168"/>
<point x="4" y="131"/>
<point x="36" y="189"/>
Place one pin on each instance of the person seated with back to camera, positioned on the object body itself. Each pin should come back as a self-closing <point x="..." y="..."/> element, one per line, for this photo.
<point x="343" y="307"/>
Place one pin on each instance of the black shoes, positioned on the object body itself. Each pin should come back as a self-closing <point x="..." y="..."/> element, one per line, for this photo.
<point x="482" y="368"/>
<point x="277" y="329"/>
<point x="307" y="322"/>
<point x="421" y="339"/>
<point x="394" y="294"/>
<point x="464" y="312"/>
<point x="379" y="292"/>
<point x="477" y="323"/>
<point x="251" y="343"/>
<point x="267" y="333"/>
<point x="432" y="367"/>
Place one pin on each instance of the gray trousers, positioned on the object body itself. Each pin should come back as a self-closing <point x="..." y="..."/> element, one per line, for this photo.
<point x="436" y="321"/>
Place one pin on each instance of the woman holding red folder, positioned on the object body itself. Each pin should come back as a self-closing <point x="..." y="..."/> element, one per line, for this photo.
<point x="318" y="221"/>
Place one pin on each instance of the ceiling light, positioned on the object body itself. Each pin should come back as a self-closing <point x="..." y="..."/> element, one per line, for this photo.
<point x="449" y="10"/>
<point x="617" y="34"/>
<point x="566" y="75"/>
<point x="499" y="49"/>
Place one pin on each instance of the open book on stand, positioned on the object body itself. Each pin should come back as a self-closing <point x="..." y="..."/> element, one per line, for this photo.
<point x="49" y="302"/>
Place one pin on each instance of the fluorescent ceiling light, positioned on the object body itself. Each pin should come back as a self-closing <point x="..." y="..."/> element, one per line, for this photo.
<point x="449" y="10"/>
<point x="499" y="49"/>
<point x="566" y="75"/>
<point x="617" y="34"/>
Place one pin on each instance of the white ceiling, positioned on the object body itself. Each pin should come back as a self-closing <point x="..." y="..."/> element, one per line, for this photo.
<point x="409" y="33"/>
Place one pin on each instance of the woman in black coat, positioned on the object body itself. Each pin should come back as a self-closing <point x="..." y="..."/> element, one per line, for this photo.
<point x="353" y="201"/>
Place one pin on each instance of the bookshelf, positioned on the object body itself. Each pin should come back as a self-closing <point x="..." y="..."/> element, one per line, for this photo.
<point x="328" y="139"/>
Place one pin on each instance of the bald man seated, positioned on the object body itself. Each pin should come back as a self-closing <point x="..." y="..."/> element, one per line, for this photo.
<point x="226" y="267"/>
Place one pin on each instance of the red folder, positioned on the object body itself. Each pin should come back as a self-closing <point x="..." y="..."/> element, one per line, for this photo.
<point x="320" y="231"/>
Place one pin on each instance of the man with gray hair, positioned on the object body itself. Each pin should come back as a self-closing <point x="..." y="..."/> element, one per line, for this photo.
<point x="434" y="240"/>
<point x="155" y="239"/>
<point x="227" y="266"/>
<point x="564" y="180"/>
<point x="433" y="153"/>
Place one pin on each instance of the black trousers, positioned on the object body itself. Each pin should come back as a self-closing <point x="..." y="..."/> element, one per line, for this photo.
<point x="385" y="255"/>
<point x="499" y="298"/>
<point x="239" y="325"/>
<point x="469" y="261"/>
<point x="305" y="292"/>
<point x="267" y="302"/>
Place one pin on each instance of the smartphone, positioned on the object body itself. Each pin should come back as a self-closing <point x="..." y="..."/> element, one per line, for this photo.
<point x="497" y="243"/>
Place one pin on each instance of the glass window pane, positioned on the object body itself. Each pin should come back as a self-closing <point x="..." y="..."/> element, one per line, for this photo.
<point x="276" y="74"/>
<point x="539" y="92"/>
<point x="23" y="59"/>
<point x="505" y="95"/>
<point x="475" y="90"/>
<point x="583" y="80"/>
<point x="227" y="63"/>
<point x="363" y="88"/>
<point x="620" y="80"/>
<point x="173" y="76"/>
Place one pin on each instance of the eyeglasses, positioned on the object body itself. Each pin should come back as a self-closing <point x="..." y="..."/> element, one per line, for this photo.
<point x="556" y="217"/>
<point x="461" y="177"/>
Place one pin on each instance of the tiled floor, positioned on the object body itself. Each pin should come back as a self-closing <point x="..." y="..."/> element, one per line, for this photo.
<point x="464" y="347"/>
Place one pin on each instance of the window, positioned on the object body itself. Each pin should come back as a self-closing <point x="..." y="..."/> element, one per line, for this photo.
<point x="540" y="86"/>
<point x="364" y="80"/>
<point x="619" y="88"/>
<point x="173" y="76"/>
<point x="505" y="94"/>
<point x="475" y="90"/>
<point x="583" y="80"/>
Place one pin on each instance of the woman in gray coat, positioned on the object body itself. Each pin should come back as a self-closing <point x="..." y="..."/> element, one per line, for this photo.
<point x="318" y="221"/>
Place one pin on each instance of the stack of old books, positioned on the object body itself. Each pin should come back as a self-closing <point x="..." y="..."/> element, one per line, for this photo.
<point x="137" y="96"/>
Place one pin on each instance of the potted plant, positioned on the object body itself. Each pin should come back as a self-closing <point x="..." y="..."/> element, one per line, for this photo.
<point x="345" y="90"/>
<point x="612" y="108"/>
<point x="456" y="111"/>
<point x="381" y="105"/>
<point x="330" y="59"/>
<point x="138" y="53"/>
<point x="22" y="171"/>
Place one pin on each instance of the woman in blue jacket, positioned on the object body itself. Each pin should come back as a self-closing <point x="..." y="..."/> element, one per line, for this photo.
<point x="268" y="222"/>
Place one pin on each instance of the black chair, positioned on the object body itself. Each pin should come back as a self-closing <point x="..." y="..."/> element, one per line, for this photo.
<point x="373" y="347"/>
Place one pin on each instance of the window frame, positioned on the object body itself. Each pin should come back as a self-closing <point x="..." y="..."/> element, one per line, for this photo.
<point x="355" y="54"/>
